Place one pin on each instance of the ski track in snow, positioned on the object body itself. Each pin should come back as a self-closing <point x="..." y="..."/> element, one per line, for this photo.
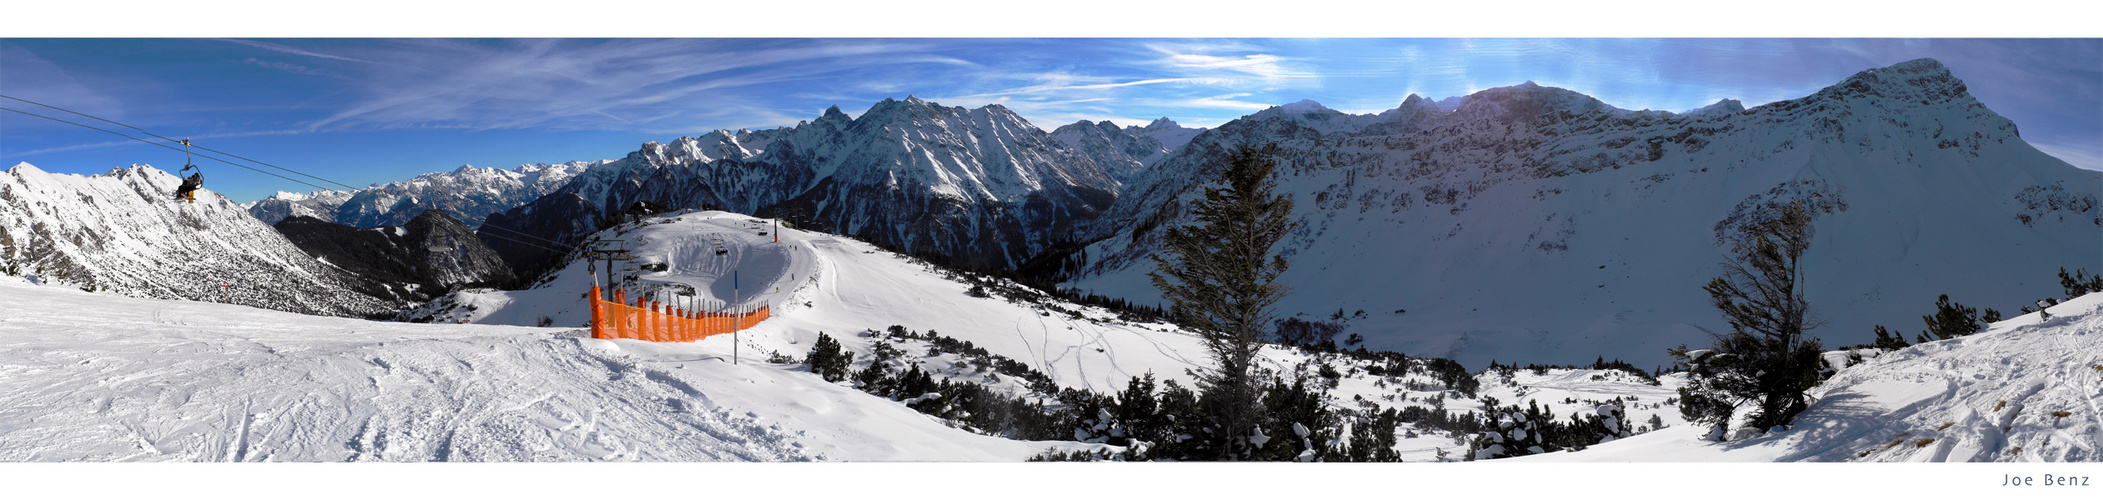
<point x="186" y="381"/>
<point x="2024" y="390"/>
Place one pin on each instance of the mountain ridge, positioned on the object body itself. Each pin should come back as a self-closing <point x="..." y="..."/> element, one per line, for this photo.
<point x="1433" y="221"/>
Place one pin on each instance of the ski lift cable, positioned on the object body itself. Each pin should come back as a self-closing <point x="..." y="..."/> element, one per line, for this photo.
<point x="551" y="242"/>
<point x="200" y="155"/>
<point x="144" y="131"/>
<point x="528" y="243"/>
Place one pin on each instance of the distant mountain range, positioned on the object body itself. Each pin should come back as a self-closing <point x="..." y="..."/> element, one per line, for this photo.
<point x="468" y="194"/>
<point x="982" y="187"/>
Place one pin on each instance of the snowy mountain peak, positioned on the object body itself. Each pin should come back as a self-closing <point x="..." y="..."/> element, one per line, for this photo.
<point x="468" y="193"/>
<point x="123" y="231"/>
<point x="1725" y="106"/>
<point x="1415" y="101"/>
<point x="1161" y="123"/>
<point x="1924" y="81"/>
<point x="1526" y="100"/>
<point x="982" y="184"/>
<point x="1304" y="106"/>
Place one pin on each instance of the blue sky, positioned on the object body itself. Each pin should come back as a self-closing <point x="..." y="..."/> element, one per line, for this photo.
<point x="361" y="111"/>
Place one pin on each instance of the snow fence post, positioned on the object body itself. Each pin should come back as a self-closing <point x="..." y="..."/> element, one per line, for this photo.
<point x="642" y="306"/>
<point x="620" y="320"/>
<point x="656" y="321"/>
<point x="598" y="314"/>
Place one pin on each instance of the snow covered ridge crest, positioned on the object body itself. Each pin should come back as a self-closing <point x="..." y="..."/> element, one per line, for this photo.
<point x="1535" y="223"/>
<point x="124" y="232"/>
<point x="467" y="193"/>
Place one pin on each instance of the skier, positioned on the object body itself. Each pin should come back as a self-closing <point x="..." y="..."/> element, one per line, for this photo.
<point x="188" y="191"/>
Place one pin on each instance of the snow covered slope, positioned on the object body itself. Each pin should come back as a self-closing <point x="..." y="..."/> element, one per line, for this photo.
<point x="823" y="283"/>
<point x="98" y="377"/>
<point x="87" y="377"/>
<point x="817" y="282"/>
<point x="1125" y="152"/>
<point x="467" y="193"/>
<point x="2025" y="390"/>
<point x="123" y="232"/>
<point x="1539" y="225"/>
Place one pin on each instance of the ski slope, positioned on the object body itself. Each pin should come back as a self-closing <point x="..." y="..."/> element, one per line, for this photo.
<point x="2025" y="390"/>
<point x="96" y="377"/>
<point x="818" y="282"/>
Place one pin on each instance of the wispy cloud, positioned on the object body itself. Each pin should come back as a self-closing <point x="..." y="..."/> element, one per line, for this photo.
<point x="1226" y="63"/>
<point x="34" y="78"/>
<point x="290" y="50"/>
<point x="150" y="142"/>
<point x="2085" y="156"/>
<point x="581" y="84"/>
<point x="293" y="68"/>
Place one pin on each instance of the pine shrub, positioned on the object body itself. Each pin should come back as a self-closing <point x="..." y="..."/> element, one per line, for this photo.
<point x="828" y="360"/>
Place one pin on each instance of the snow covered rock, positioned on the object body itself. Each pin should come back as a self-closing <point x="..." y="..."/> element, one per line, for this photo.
<point x="123" y="231"/>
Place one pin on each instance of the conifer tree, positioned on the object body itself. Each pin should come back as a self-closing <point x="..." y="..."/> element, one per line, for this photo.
<point x="1221" y="279"/>
<point x="2080" y="283"/>
<point x="1890" y="341"/>
<point x="827" y="359"/>
<point x="1765" y="359"/>
<point x="1950" y="321"/>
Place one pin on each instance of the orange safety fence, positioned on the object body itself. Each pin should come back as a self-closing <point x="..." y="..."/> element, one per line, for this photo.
<point x="657" y="322"/>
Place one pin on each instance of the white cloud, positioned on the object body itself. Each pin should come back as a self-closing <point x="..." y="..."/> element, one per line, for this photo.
<point x="1206" y="62"/>
<point x="2074" y="155"/>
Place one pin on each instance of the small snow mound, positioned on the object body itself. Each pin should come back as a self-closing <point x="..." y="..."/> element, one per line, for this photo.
<point x="599" y="345"/>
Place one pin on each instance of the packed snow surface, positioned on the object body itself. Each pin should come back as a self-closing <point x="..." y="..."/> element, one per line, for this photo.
<point x="97" y="377"/>
<point x="817" y="282"/>
<point x="2025" y="390"/>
